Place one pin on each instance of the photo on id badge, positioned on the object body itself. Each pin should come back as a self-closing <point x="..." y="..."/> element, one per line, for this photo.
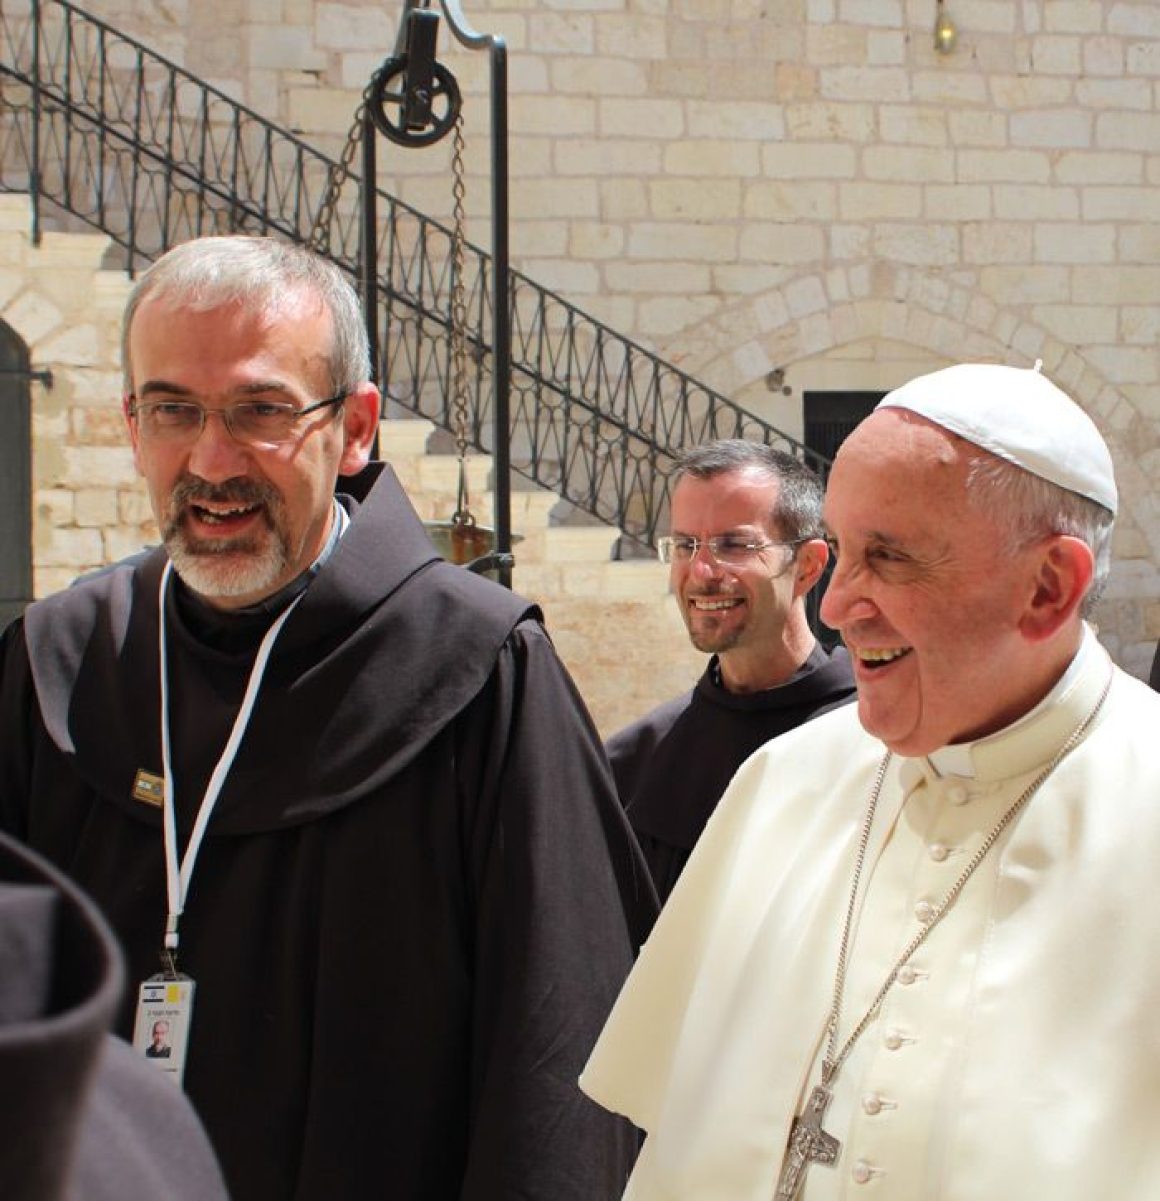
<point x="161" y="1030"/>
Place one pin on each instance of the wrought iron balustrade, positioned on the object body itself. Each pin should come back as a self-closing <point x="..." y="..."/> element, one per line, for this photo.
<point x="95" y="124"/>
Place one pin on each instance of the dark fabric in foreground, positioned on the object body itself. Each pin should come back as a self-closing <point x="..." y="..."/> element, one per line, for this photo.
<point x="84" y="1118"/>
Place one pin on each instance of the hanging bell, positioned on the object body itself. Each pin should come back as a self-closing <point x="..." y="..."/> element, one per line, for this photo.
<point x="466" y="544"/>
<point x="460" y="540"/>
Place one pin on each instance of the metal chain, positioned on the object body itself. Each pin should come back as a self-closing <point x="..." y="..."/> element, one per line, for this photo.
<point x="832" y="1062"/>
<point x="459" y="394"/>
<point x="829" y="1071"/>
<point x="340" y="172"/>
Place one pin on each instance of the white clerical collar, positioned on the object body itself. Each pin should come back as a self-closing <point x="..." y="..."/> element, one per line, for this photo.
<point x="992" y="755"/>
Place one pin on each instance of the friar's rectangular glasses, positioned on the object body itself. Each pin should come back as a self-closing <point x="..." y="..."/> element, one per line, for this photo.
<point x="251" y="422"/>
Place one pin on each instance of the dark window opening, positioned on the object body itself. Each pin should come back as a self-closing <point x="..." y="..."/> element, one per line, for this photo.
<point x="829" y="419"/>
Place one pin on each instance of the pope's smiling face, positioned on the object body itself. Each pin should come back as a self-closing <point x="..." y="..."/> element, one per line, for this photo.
<point x="739" y="605"/>
<point x="926" y="591"/>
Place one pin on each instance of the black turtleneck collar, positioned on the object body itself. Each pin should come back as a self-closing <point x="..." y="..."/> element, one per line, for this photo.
<point x="237" y="631"/>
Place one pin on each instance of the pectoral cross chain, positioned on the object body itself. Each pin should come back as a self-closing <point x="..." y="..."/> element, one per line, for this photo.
<point x="808" y="1143"/>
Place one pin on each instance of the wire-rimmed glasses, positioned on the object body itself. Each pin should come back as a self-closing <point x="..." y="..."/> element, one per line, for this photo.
<point x="251" y="422"/>
<point x="730" y="550"/>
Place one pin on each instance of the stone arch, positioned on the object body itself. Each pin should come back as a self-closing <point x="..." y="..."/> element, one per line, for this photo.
<point x="811" y="314"/>
<point x="15" y="475"/>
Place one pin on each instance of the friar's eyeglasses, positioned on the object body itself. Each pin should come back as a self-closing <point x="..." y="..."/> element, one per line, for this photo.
<point x="732" y="549"/>
<point x="251" y="422"/>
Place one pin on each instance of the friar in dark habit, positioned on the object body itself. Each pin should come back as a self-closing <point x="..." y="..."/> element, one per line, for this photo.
<point x="744" y="552"/>
<point x="346" y="789"/>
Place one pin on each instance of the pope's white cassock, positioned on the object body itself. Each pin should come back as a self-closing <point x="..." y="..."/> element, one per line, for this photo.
<point x="1016" y="1058"/>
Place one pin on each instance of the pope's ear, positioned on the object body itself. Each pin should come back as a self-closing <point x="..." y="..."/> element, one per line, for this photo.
<point x="812" y="557"/>
<point x="360" y="421"/>
<point x="1063" y="569"/>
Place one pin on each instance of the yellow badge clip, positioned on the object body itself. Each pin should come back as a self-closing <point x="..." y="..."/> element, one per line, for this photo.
<point x="148" y="788"/>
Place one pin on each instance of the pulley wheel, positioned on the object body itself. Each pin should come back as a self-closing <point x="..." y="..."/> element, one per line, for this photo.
<point x="388" y="103"/>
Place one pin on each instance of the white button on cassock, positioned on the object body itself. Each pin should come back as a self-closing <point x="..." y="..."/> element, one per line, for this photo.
<point x="924" y="911"/>
<point x="871" y="1104"/>
<point x="938" y="852"/>
<point x="958" y="794"/>
<point x="892" y="1040"/>
<point x="861" y="1172"/>
<point x="906" y="974"/>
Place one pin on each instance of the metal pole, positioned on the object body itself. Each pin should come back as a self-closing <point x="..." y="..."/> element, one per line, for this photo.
<point x="34" y="133"/>
<point x="369" y="239"/>
<point x="501" y="311"/>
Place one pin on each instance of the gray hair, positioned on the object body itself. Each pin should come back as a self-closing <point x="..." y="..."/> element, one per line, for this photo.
<point x="797" y="511"/>
<point x="1030" y="508"/>
<point x="213" y="272"/>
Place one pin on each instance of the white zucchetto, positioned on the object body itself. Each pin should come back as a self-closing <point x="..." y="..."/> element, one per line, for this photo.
<point x="1019" y="415"/>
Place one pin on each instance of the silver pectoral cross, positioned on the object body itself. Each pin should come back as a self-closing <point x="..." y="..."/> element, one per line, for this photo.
<point x="808" y="1143"/>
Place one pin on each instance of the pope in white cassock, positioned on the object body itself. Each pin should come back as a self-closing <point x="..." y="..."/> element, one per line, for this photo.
<point x="916" y="954"/>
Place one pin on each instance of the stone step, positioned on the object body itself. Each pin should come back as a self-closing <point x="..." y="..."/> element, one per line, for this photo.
<point x="440" y="474"/>
<point x="15" y="213"/>
<point x="404" y="441"/>
<point x="529" y="511"/>
<point x="627" y="581"/>
<point x="579" y="543"/>
<point x="399" y="438"/>
<point x="82" y="251"/>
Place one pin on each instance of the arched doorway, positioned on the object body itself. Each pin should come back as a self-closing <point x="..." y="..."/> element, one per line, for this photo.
<point x="15" y="476"/>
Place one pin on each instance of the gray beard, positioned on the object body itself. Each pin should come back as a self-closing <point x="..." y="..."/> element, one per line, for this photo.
<point x="229" y="569"/>
<point x="223" y="566"/>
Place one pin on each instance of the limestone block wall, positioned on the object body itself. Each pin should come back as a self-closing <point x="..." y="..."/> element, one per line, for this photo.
<point x="801" y="185"/>
<point x="613" y="623"/>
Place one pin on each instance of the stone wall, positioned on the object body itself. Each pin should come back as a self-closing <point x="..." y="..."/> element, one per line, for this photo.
<point x="88" y="508"/>
<point x="804" y="185"/>
<point x="613" y="623"/>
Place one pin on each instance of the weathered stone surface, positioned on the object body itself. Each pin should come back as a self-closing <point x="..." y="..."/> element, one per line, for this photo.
<point x="802" y="183"/>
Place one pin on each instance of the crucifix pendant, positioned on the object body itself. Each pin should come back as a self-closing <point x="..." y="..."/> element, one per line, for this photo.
<point x="808" y="1143"/>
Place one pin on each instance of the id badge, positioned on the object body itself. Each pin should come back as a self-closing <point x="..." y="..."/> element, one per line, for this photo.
<point x="164" y="1015"/>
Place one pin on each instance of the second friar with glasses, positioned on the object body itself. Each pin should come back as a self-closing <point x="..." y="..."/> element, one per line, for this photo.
<point x="745" y="550"/>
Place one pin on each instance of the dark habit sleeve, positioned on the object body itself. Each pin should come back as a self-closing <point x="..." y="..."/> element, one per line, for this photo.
<point x="563" y="900"/>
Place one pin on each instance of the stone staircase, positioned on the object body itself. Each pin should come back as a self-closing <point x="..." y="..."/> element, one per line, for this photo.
<point x="613" y="622"/>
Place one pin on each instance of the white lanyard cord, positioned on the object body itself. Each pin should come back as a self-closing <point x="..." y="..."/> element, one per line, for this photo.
<point x="177" y="877"/>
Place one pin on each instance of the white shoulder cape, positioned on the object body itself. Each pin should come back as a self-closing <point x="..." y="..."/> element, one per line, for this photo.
<point x="1058" y="1097"/>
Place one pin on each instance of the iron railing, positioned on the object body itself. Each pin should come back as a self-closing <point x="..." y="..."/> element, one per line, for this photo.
<point x="97" y="125"/>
